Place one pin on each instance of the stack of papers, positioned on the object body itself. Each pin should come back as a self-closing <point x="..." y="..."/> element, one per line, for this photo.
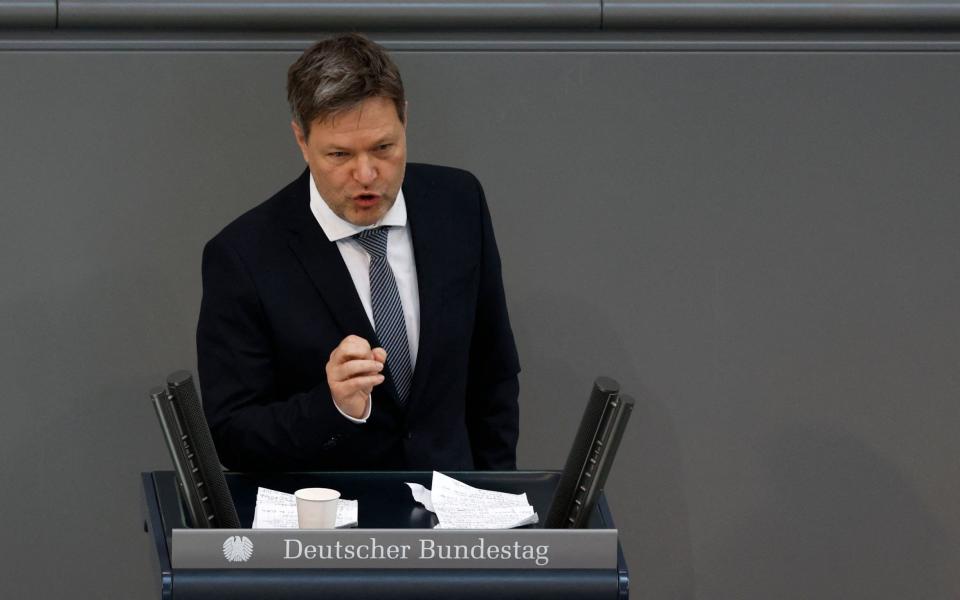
<point x="277" y="510"/>
<point x="460" y="506"/>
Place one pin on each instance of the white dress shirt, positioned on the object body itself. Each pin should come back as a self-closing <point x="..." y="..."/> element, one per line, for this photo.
<point x="399" y="257"/>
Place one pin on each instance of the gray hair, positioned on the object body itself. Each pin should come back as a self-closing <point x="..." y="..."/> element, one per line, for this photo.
<point x="337" y="74"/>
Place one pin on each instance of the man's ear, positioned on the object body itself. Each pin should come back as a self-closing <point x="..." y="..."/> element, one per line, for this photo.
<point x="301" y="139"/>
<point x="406" y="113"/>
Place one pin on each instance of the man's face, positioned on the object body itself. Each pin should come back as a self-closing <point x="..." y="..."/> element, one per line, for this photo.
<point x="357" y="159"/>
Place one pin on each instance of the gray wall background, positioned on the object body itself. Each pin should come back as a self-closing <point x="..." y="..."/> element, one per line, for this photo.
<point x="758" y="238"/>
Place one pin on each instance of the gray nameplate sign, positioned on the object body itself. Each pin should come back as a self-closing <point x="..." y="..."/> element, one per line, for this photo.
<point x="394" y="549"/>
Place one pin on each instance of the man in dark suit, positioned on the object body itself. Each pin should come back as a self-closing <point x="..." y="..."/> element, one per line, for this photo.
<point x="356" y="319"/>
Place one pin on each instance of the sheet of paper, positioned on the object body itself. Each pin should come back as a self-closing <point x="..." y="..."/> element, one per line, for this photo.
<point x="275" y="510"/>
<point x="446" y="489"/>
<point x="278" y="510"/>
<point x="460" y="506"/>
<point x="422" y="495"/>
<point x="497" y="518"/>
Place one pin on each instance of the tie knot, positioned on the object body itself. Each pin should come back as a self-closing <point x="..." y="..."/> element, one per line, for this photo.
<point x="374" y="241"/>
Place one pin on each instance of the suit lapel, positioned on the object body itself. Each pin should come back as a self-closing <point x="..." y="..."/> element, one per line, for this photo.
<point x="428" y="253"/>
<point x="324" y="265"/>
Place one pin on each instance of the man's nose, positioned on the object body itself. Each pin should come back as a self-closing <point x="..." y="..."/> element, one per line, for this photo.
<point x="366" y="171"/>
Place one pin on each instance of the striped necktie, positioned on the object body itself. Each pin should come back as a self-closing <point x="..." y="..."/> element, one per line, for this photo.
<point x="387" y="310"/>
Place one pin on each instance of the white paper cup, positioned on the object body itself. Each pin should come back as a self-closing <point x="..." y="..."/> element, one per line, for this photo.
<point x="317" y="508"/>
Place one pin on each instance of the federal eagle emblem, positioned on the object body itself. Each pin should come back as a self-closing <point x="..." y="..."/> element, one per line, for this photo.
<point x="237" y="548"/>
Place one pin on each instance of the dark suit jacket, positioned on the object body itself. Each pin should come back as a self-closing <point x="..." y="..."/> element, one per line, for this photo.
<point x="277" y="298"/>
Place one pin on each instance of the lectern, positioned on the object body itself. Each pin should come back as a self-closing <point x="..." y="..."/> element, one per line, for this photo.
<point x="385" y="503"/>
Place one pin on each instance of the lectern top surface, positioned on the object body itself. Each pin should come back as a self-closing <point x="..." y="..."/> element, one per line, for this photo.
<point x="385" y="502"/>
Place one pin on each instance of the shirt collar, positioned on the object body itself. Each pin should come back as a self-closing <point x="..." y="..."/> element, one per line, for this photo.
<point x="339" y="229"/>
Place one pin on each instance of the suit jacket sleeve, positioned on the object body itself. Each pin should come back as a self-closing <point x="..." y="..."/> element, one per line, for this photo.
<point x="492" y="412"/>
<point x="255" y="424"/>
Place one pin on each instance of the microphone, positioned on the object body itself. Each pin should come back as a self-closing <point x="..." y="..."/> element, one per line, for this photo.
<point x="185" y="429"/>
<point x="604" y="391"/>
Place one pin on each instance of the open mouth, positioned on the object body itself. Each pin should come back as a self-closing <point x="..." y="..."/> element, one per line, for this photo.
<point x="366" y="199"/>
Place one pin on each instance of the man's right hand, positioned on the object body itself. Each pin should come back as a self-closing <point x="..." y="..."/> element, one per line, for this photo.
<point x="352" y="372"/>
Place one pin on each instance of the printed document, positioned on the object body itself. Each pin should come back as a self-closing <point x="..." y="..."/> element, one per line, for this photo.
<point x="460" y="506"/>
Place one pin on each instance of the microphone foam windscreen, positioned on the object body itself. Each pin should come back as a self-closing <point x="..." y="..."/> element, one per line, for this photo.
<point x="194" y="422"/>
<point x="603" y="389"/>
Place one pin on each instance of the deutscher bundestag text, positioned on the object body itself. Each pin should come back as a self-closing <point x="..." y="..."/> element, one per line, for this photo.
<point x="427" y="549"/>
